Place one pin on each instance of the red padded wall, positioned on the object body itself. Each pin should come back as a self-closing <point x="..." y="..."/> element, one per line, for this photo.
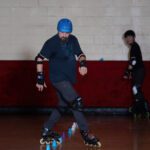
<point x="102" y="87"/>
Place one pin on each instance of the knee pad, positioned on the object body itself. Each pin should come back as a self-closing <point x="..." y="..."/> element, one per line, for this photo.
<point x="77" y="104"/>
<point x="137" y="92"/>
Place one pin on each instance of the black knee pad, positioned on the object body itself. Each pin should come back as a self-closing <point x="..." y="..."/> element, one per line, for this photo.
<point x="137" y="92"/>
<point x="77" y="104"/>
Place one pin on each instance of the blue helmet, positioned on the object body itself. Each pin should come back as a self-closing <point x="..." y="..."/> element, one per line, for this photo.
<point x="64" y="25"/>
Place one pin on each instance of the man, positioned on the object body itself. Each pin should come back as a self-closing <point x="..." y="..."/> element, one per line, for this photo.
<point x="61" y="50"/>
<point x="136" y="72"/>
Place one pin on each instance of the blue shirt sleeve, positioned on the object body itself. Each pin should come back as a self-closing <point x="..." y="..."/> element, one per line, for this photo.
<point x="46" y="50"/>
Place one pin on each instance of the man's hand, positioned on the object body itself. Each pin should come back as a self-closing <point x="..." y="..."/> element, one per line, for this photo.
<point x="83" y="70"/>
<point x="41" y="87"/>
<point x="40" y="84"/>
<point x="127" y="75"/>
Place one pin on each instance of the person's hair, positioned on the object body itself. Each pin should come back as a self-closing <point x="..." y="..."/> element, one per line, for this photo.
<point x="129" y="33"/>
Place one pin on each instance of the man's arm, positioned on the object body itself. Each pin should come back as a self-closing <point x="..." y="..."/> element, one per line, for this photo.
<point x="83" y="66"/>
<point x="132" y="64"/>
<point x="40" y="75"/>
<point x="81" y="58"/>
<point x="45" y="53"/>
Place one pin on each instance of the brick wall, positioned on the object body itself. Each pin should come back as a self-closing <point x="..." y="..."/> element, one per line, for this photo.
<point x="98" y="24"/>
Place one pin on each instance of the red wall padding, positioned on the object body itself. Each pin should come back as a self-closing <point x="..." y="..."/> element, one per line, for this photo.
<point x="102" y="87"/>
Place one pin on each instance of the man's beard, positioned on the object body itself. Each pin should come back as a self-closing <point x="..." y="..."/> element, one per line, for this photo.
<point x="64" y="39"/>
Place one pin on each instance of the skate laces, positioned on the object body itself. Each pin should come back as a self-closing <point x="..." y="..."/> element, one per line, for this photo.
<point x="90" y="136"/>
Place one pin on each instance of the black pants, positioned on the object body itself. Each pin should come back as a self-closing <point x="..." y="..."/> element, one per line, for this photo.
<point x="66" y="94"/>
<point x="138" y="76"/>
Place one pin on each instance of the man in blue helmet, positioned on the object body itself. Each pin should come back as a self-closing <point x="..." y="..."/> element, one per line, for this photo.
<point x="61" y="50"/>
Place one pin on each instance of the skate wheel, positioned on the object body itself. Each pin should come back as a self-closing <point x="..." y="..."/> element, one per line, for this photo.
<point x="140" y="116"/>
<point x="135" y="116"/>
<point x="99" y="144"/>
<point x="42" y="142"/>
<point x="147" y="115"/>
<point x="58" y="143"/>
<point x="85" y="143"/>
<point x="48" y="142"/>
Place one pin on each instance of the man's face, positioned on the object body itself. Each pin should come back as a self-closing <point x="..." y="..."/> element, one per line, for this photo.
<point x="129" y="40"/>
<point x="63" y="36"/>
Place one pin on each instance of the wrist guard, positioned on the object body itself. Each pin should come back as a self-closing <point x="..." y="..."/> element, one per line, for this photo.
<point x="83" y="63"/>
<point x="40" y="78"/>
<point x="127" y="73"/>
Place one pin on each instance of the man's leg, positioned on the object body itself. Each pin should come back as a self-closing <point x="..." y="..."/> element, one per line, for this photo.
<point x="56" y="113"/>
<point x="140" y="104"/>
<point x="69" y="96"/>
<point x="72" y="99"/>
<point x="47" y="133"/>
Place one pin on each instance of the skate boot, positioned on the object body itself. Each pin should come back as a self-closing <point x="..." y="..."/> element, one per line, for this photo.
<point x="140" y="109"/>
<point x="90" y="140"/>
<point x="48" y="136"/>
